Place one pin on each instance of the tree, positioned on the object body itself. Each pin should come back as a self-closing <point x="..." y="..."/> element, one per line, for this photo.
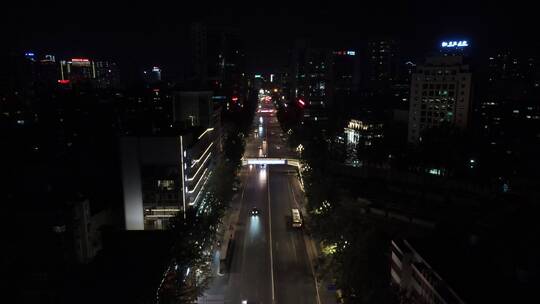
<point x="193" y="234"/>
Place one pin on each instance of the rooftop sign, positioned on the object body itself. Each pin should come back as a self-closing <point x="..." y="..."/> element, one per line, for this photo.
<point x="454" y="44"/>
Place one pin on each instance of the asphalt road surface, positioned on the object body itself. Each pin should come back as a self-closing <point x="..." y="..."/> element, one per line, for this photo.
<point x="271" y="261"/>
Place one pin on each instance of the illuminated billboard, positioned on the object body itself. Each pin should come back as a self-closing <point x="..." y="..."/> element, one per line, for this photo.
<point x="454" y="44"/>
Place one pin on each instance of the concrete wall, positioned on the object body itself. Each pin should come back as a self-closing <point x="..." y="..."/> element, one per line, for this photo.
<point x="131" y="183"/>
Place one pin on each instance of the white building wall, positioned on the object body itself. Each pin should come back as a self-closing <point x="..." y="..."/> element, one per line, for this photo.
<point x="131" y="183"/>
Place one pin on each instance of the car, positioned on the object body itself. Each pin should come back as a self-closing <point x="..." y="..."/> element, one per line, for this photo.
<point x="255" y="211"/>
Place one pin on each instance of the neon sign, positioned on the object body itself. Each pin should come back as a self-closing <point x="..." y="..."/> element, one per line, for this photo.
<point x="79" y="60"/>
<point x="454" y="44"/>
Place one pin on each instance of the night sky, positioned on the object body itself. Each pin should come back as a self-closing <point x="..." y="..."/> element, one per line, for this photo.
<point x="155" y="33"/>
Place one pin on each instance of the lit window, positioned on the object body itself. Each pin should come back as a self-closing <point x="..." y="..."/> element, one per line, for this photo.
<point x="165" y="184"/>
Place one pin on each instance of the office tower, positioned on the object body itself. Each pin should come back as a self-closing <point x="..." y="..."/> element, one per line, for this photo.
<point x="153" y="75"/>
<point x="344" y="78"/>
<point x="218" y="62"/>
<point x="107" y="75"/>
<point x="85" y="73"/>
<point x="440" y="93"/>
<point x="381" y="65"/>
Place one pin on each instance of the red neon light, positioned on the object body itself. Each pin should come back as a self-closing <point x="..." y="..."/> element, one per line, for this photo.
<point x="235" y="98"/>
<point x="79" y="60"/>
<point x="300" y="101"/>
<point x="63" y="81"/>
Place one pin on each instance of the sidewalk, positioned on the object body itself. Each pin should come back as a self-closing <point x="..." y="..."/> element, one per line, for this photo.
<point x="326" y="290"/>
<point x="218" y="287"/>
<point x="227" y="231"/>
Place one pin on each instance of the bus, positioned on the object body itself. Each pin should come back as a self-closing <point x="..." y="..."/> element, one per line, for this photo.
<point x="296" y="218"/>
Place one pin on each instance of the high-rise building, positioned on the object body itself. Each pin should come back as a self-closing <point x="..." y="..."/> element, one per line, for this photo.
<point x="47" y="71"/>
<point x="381" y="65"/>
<point x="153" y="75"/>
<point x="507" y="111"/>
<point x="322" y="80"/>
<point x="311" y="77"/>
<point x="77" y="70"/>
<point x="83" y="72"/>
<point x="344" y="78"/>
<point x="218" y="62"/>
<point x="165" y="170"/>
<point x="107" y="75"/>
<point x="440" y="93"/>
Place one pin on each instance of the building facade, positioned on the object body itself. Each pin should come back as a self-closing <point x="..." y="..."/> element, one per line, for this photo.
<point x="165" y="171"/>
<point x="416" y="281"/>
<point x="322" y="80"/>
<point x="381" y="65"/>
<point x="86" y="73"/>
<point x="163" y="175"/>
<point x="153" y="75"/>
<point x="361" y="134"/>
<point x="440" y="93"/>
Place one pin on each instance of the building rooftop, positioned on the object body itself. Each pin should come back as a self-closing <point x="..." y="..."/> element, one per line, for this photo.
<point x="491" y="260"/>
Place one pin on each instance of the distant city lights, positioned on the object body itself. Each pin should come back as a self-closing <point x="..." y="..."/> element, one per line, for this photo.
<point x="345" y="53"/>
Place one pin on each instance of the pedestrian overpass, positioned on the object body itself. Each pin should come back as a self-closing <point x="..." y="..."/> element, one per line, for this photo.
<point x="270" y="161"/>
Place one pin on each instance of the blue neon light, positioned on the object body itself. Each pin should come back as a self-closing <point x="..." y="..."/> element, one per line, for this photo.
<point x="454" y="44"/>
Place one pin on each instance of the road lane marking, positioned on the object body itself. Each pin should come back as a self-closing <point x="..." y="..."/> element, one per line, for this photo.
<point x="245" y="234"/>
<point x="270" y="230"/>
<point x="294" y="249"/>
<point x="291" y="192"/>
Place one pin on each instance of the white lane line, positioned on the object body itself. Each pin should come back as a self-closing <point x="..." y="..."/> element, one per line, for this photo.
<point x="291" y="192"/>
<point x="245" y="231"/>
<point x="294" y="249"/>
<point x="270" y="230"/>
